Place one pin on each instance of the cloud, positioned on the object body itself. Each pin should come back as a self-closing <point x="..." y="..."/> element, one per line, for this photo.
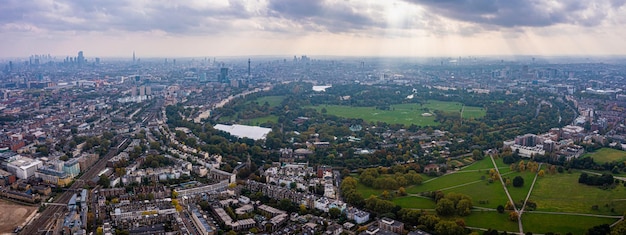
<point x="331" y="16"/>
<point x="176" y="17"/>
<point x="531" y="13"/>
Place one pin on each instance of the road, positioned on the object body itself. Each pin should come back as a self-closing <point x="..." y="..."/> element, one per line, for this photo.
<point x="53" y="212"/>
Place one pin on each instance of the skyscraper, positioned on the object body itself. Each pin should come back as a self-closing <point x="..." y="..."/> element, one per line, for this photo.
<point x="81" y="58"/>
<point x="133" y="56"/>
<point x="248" y="67"/>
<point x="224" y="75"/>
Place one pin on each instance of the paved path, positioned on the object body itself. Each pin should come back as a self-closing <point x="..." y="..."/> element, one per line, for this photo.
<point x="529" y="191"/>
<point x="495" y="166"/>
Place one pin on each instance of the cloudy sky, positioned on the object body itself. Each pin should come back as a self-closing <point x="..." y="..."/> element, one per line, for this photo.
<point x="180" y="28"/>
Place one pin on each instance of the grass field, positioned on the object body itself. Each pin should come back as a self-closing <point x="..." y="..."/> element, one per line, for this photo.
<point x="405" y="114"/>
<point x="273" y="101"/>
<point x="492" y="220"/>
<point x="536" y="223"/>
<point x="520" y="193"/>
<point x="563" y="193"/>
<point x="604" y="155"/>
<point x="414" y="202"/>
<point x="560" y="192"/>
<point x="261" y="120"/>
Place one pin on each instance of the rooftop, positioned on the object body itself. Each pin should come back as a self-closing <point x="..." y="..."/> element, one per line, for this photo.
<point x="241" y="131"/>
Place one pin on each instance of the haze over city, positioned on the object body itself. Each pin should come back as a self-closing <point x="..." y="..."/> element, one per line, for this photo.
<point x="330" y="27"/>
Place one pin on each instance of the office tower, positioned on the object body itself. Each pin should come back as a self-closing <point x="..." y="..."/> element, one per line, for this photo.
<point x="224" y="75"/>
<point x="81" y="58"/>
<point x="133" y="56"/>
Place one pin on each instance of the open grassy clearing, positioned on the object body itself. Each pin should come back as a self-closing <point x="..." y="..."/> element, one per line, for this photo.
<point x="447" y="181"/>
<point x="373" y="115"/>
<point x="366" y="191"/>
<point x="272" y="101"/>
<point x="491" y="219"/>
<point x="536" y="223"/>
<point x="563" y="193"/>
<point x="605" y="155"/>
<point x="484" y="164"/>
<point x="483" y="194"/>
<point x="520" y="193"/>
<point x="261" y="120"/>
<point x="406" y="114"/>
<point x="414" y="202"/>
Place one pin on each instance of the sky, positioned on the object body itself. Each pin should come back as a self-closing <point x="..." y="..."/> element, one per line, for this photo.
<point x="420" y="28"/>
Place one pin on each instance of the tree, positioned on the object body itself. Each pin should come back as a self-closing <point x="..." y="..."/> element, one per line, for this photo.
<point x="401" y="191"/>
<point x="500" y="209"/>
<point x="518" y="181"/>
<point x="104" y="181"/>
<point x="600" y="229"/>
<point x="445" y="207"/>
<point x="334" y="212"/>
<point x="449" y="228"/>
<point x="464" y="207"/>
<point x="513" y="216"/>
<point x="303" y="209"/>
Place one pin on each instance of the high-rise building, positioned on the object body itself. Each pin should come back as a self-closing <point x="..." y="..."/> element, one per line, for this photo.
<point x="224" y="75"/>
<point x="248" y="67"/>
<point x="133" y="56"/>
<point x="81" y="58"/>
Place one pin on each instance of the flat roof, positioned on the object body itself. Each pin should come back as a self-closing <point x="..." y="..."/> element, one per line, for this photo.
<point x="241" y="131"/>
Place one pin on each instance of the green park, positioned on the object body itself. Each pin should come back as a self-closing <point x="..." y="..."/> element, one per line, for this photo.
<point x="559" y="198"/>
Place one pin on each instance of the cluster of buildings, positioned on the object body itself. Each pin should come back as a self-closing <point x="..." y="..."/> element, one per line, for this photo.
<point x="559" y="141"/>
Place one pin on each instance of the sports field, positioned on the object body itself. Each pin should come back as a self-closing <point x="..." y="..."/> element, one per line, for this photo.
<point x="405" y="114"/>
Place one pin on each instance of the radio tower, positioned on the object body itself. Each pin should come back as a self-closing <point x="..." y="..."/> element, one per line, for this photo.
<point x="248" y="67"/>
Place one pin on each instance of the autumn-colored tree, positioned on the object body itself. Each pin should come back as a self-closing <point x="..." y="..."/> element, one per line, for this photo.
<point x="401" y="191"/>
<point x="541" y="173"/>
<point x="522" y="166"/>
<point x="513" y="216"/>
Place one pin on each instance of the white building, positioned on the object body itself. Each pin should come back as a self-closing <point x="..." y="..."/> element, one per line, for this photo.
<point x="24" y="167"/>
<point x="357" y="215"/>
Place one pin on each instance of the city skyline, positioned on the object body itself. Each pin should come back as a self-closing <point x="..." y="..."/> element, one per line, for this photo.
<point x="332" y="27"/>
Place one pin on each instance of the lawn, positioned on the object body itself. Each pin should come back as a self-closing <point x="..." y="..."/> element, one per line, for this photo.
<point x="485" y="165"/>
<point x="273" y="101"/>
<point x="563" y="193"/>
<point x="366" y="191"/>
<point x="492" y="220"/>
<point x="405" y="114"/>
<point x="261" y="120"/>
<point x="605" y="155"/>
<point x="520" y="193"/>
<point x="544" y="223"/>
<point x="414" y="202"/>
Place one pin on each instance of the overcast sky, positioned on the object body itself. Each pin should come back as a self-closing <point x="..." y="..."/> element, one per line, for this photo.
<point x="181" y="28"/>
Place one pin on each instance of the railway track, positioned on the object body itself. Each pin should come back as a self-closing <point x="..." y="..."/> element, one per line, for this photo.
<point x="46" y="220"/>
